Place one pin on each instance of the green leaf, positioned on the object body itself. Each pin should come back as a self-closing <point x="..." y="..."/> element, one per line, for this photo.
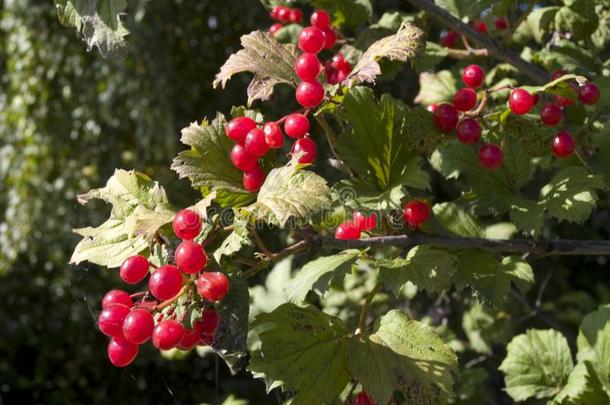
<point x="208" y="164"/>
<point x="433" y="55"/>
<point x="288" y="34"/>
<point x="346" y="12"/>
<point x="535" y="139"/>
<point x="436" y="87"/>
<point x="457" y="220"/>
<point x="393" y="20"/>
<point x="97" y="21"/>
<point x="237" y="239"/>
<point x="273" y="294"/>
<point x="317" y="274"/>
<point x="582" y="387"/>
<point x="427" y="267"/>
<point x="406" y="356"/>
<point x="304" y="350"/>
<point x="594" y="345"/>
<point x="569" y="56"/>
<point x="488" y="278"/>
<point x="578" y="18"/>
<point x="465" y="8"/>
<point x="485" y="327"/>
<point x="538" y="24"/>
<point x="263" y="55"/>
<point x="537" y="364"/>
<point x="520" y="272"/>
<point x="527" y="215"/>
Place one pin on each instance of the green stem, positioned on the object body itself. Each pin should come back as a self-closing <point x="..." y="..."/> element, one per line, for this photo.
<point x="365" y="308"/>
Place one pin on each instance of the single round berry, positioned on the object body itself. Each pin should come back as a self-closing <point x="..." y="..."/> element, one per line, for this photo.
<point x="563" y="144"/>
<point x="449" y="39"/>
<point x="473" y="76"/>
<point x="307" y="66"/>
<point x="363" y="399"/>
<point x="111" y="319"/>
<point x="564" y="101"/>
<point x="310" y="94"/>
<point x="116" y="297"/>
<point x="347" y="231"/>
<point x="134" y="269"/>
<point x="206" y="340"/>
<point x="187" y="224"/>
<point x="275" y="28"/>
<point x="558" y="73"/>
<point x="253" y="179"/>
<point x="255" y="143"/>
<point x="416" y="213"/>
<point x="311" y="40"/>
<point x="364" y="223"/>
<point x="480" y="26"/>
<point x="212" y="286"/>
<point x="296" y="125"/>
<point x="167" y="334"/>
<point x="273" y="135"/>
<point x="551" y="114"/>
<point x="330" y="38"/>
<point x="536" y="98"/>
<point x="295" y="15"/>
<point x="238" y="128"/>
<point x="165" y="282"/>
<point x="520" y="101"/>
<point x="190" y="339"/>
<point x="445" y="117"/>
<point x="469" y="131"/>
<point x="283" y="13"/>
<point x="338" y="62"/>
<point x="491" y="156"/>
<point x="274" y="11"/>
<point x="465" y="99"/>
<point x="209" y="322"/>
<point x="241" y="159"/>
<point x="138" y="326"/>
<point x="432" y="107"/>
<point x="341" y="76"/>
<point x="190" y="257"/>
<point x="589" y="93"/>
<point x="307" y="147"/>
<point x="320" y="19"/>
<point x="500" y="23"/>
<point x="121" y="352"/>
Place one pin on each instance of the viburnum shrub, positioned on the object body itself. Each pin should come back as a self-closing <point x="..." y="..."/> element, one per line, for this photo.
<point x="359" y="248"/>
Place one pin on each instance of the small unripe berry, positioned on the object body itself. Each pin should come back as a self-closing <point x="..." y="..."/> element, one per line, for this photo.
<point x="320" y="19"/>
<point x="445" y="117"/>
<point x="520" y="101"/>
<point x="416" y="213"/>
<point x="116" y="297"/>
<point x="563" y="144"/>
<point x="238" y="128"/>
<point x="212" y="286"/>
<point x="296" y="125"/>
<point x="187" y="224"/>
<point x="190" y="257"/>
<point x="473" y="76"/>
<point x="306" y="146"/>
<point x="241" y="159"/>
<point x="111" y="319"/>
<point x="310" y="94"/>
<point x="273" y="135"/>
<point x="307" y="66"/>
<point x="121" y="352"/>
<point x="465" y="99"/>
<point x="311" y="40"/>
<point x="254" y="179"/>
<point x="167" y="334"/>
<point x="165" y="282"/>
<point x="138" y="326"/>
<point x="347" y="231"/>
<point x="589" y="93"/>
<point x="491" y="156"/>
<point x="469" y="131"/>
<point x="255" y="143"/>
<point x="134" y="269"/>
<point x="551" y="114"/>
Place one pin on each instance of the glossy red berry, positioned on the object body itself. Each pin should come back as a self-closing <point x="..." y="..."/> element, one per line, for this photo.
<point x="364" y="223"/>
<point x="480" y="26"/>
<point x="111" y="319"/>
<point x="255" y="143"/>
<point x="190" y="257"/>
<point x="432" y="108"/>
<point x="295" y="15"/>
<point x="296" y="125"/>
<point x="449" y="39"/>
<point x="238" y="128"/>
<point x="254" y="179"/>
<point x="241" y="159"/>
<point x="307" y="147"/>
<point x="330" y="38"/>
<point x="275" y="28"/>
<point x="469" y="131"/>
<point x="465" y="99"/>
<point x="363" y="399"/>
<point x="491" y="156"/>
<point x="283" y="13"/>
<point x="209" y="322"/>
<point x="307" y="66"/>
<point x="338" y="62"/>
<point x="311" y="40"/>
<point x="274" y="11"/>
<point x="500" y="23"/>
<point x="116" y="297"/>
<point x="167" y="334"/>
<point x="138" y="326"/>
<point x="273" y="135"/>
<point x="445" y="117"/>
<point x="520" y="101"/>
<point x="134" y="269"/>
<point x="589" y="93"/>
<point x="187" y="224"/>
<point x="473" y="76"/>
<point x="190" y="339"/>
<point x="320" y="19"/>
<point x="310" y="94"/>
<point x="416" y="213"/>
<point x="121" y="352"/>
<point x="165" y="282"/>
<point x="564" y="101"/>
<point x="563" y="144"/>
<point x="551" y="114"/>
<point x="212" y="286"/>
<point x="347" y="231"/>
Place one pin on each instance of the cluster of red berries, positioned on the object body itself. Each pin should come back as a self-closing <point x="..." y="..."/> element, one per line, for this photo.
<point x="130" y="324"/>
<point x="284" y="15"/>
<point x="449" y="38"/>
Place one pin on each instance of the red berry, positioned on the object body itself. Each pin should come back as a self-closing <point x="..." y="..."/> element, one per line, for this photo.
<point x="364" y="223"/>
<point x="465" y="99"/>
<point x="116" y="297"/>
<point x="520" y="101"/>
<point x="134" y="269"/>
<point x="295" y="15"/>
<point x="589" y="93"/>
<point x="558" y="73"/>
<point x="306" y="146"/>
<point x="167" y="334"/>
<point x="307" y="66"/>
<point x="275" y="28"/>
<point x="111" y="319"/>
<point x="255" y="143"/>
<point x="363" y="399"/>
<point x="253" y="179"/>
<point x="536" y="98"/>
<point x="449" y="39"/>
<point x="310" y="94"/>
<point x="320" y="19"/>
<point x="165" y="282"/>
<point x="473" y="76"/>
<point x="432" y="107"/>
<point x="500" y="23"/>
<point x="563" y="144"/>
<point x="206" y="340"/>
<point x="551" y="114"/>
<point x="491" y="156"/>
<point x="274" y="11"/>
<point x="338" y="61"/>
<point x="347" y="231"/>
<point x="283" y="14"/>
<point x="341" y="76"/>
<point x="187" y="224"/>
<point x="416" y="213"/>
<point x="330" y="38"/>
<point x="212" y="286"/>
<point x="138" y="326"/>
<point x="296" y="125"/>
<point x="241" y="159"/>
<point x="480" y="26"/>
<point x="190" y="339"/>
<point x="273" y="135"/>
<point x="311" y="40"/>
<point x="190" y="257"/>
<point x="209" y="322"/>
<point x="121" y="352"/>
<point x="564" y="101"/>
<point x="469" y="131"/>
<point x="238" y="128"/>
<point x="445" y="117"/>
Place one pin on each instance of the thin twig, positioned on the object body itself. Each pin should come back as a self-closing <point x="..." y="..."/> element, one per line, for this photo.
<point x="365" y="308"/>
<point x="170" y="301"/>
<point x="466" y="53"/>
<point x="259" y="242"/>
